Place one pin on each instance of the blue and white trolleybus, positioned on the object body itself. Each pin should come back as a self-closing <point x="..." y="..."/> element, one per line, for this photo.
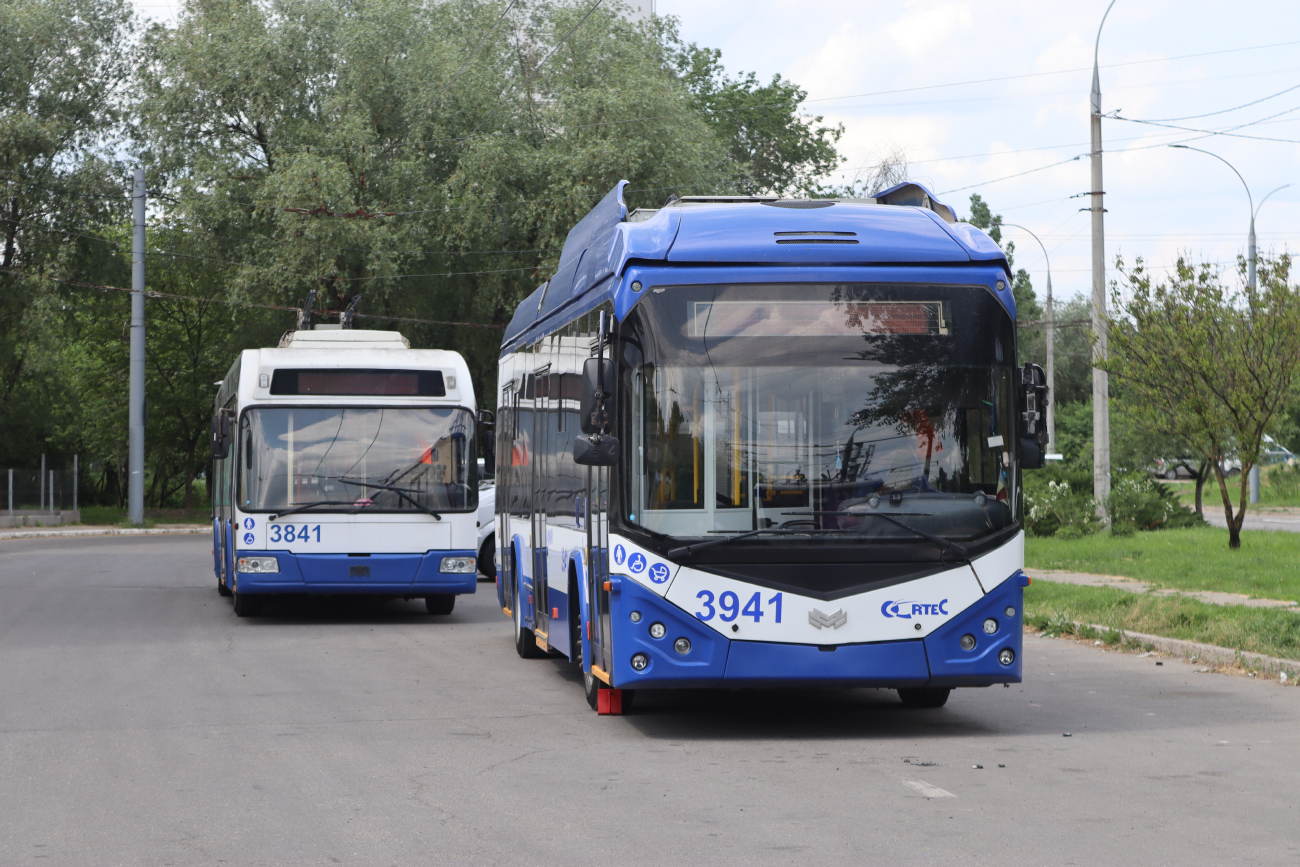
<point x="761" y="442"/>
<point x="344" y="462"/>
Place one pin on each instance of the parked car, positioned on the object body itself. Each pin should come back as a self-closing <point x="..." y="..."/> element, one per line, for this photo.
<point x="1183" y="467"/>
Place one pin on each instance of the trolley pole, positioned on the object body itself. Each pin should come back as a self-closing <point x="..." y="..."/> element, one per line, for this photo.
<point x="135" y="455"/>
<point x="1100" y="380"/>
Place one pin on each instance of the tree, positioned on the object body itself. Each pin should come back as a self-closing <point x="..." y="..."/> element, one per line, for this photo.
<point x="64" y="65"/>
<point x="1208" y="365"/>
<point x="433" y="156"/>
<point x="774" y="148"/>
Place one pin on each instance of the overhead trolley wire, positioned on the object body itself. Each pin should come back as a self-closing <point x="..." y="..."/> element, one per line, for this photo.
<point x="233" y="303"/>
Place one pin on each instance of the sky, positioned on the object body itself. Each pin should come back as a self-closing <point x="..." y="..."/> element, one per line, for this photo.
<point x="975" y="93"/>
<point x="991" y="97"/>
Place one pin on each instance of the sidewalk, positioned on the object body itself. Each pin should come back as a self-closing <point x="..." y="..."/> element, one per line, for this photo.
<point x="1132" y="585"/>
<point x="159" y="530"/>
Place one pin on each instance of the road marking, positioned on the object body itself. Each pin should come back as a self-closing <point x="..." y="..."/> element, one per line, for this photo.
<point x="926" y="790"/>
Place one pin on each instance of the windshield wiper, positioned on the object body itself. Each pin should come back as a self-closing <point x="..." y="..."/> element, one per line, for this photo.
<point x="674" y="553"/>
<point x="929" y="537"/>
<point x="305" y="506"/>
<point x="401" y="492"/>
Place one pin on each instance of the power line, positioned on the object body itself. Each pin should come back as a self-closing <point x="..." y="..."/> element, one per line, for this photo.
<point x="230" y="302"/>
<point x="1054" y="72"/>
<point x="1226" y="110"/>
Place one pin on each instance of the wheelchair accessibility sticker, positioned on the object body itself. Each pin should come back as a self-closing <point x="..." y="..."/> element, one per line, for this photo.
<point x="636" y="563"/>
<point x="248" y="538"/>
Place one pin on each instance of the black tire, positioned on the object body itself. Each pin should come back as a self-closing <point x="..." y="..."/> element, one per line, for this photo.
<point x="1171" y="475"/>
<point x="525" y="638"/>
<point x="222" y="588"/>
<point x="487" y="557"/>
<point x="440" y="603"/>
<point x="247" y="606"/>
<point x="930" y="696"/>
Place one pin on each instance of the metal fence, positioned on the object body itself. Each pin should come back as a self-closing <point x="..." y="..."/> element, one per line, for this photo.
<point x="38" y="492"/>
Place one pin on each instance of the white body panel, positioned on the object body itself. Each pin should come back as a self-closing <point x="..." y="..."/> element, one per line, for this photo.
<point x="332" y="533"/>
<point x="341" y="533"/>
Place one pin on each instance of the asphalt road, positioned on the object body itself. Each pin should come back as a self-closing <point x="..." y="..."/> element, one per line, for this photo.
<point x="1254" y="520"/>
<point x="142" y="723"/>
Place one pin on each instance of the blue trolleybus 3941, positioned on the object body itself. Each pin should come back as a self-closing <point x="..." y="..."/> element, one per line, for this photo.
<point x="344" y="462"/>
<point x="761" y="442"/>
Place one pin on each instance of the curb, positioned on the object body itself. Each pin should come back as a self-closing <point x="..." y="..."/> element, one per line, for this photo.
<point x="1211" y="653"/>
<point x="107" y="531"/>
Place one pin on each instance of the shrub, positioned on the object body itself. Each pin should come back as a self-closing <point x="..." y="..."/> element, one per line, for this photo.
<point x="1057" y="510"/>
<point x="1138" y="502"/>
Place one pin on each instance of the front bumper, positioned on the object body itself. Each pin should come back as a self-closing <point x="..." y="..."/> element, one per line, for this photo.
<point x="384" y="574"/>
<point x="936" y="660"/>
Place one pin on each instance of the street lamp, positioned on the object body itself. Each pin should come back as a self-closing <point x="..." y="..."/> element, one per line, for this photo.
<point x="1250" y="266"/>
<point x="1051" y="351"/>
<point x="1100" y="380"/>
<point x="1250" y="255"/>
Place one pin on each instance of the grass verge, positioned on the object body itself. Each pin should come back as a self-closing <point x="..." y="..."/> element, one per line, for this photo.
<point x="1051" y="608"/>
<point x="1266" y="566"/>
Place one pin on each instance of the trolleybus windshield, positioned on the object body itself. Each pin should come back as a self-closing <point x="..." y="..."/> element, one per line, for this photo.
<point x="809" y="407"/>
<point x="357" y="458"/>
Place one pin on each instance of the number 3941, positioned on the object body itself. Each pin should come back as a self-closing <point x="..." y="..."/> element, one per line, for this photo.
<point x="290" y="533"/>
<point x="726" y="607"/>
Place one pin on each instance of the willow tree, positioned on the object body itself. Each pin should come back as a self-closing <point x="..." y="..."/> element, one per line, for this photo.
<point x="428" y="156"/>
<point x="1206" y="364"/>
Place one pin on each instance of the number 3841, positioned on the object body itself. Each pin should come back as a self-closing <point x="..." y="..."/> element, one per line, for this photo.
<point x="290" y="533"/>
<point x="727" y="607"/>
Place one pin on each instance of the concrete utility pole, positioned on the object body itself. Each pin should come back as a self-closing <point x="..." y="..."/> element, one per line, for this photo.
<point x="1100" y="380"/>
<point x="135" y="417"/>
<point x="1051" y="346"/>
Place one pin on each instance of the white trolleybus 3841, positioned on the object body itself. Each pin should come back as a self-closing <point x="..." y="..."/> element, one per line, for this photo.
<point x="344" y="462"/>
<point x="755" y="442"/>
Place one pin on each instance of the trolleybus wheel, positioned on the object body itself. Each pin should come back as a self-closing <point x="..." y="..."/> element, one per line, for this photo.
<point x="247" y="606"/>
<point x="487" y="557"/>
<point x="222" y="588"/>
<point x="932" y="696"/>
<point x="440" y="603"/>
<point x="525" y="638"/>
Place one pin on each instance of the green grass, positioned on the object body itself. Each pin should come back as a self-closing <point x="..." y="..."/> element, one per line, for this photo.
<point x="1266" y="566"/>
<point x="1271" y="631"/>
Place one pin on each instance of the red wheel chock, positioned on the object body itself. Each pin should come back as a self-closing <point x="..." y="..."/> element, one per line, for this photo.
<point x="609" y="702"/>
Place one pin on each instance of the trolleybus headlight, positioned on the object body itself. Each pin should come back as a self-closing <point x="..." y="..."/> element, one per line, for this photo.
<point x="457" y="564"/>
<point x="1006" y="656"/>
<point x="968" y="642"/>
<point x="990" y="626"/>
<point x="1011" y="611"/>
<point x="657" y="630"/>
<point x="635" y="616"/>
<point x="640" y="661"/>
<point x="257" y="564"/>
<point x="682" y="646"/>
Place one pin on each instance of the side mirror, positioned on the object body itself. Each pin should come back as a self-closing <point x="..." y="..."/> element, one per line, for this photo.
<point x="1033" y="417"/>
<point x="597" y="390"/>
<point x="595" y="451"/>
<point x="486" y="419"/>
<point x="220" y="436"/>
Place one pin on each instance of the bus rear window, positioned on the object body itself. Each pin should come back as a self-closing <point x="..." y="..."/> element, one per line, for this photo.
<point x="359" y="383"/>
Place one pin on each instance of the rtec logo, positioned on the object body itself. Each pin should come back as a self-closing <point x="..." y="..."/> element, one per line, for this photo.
<point x="908" y="610"/>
